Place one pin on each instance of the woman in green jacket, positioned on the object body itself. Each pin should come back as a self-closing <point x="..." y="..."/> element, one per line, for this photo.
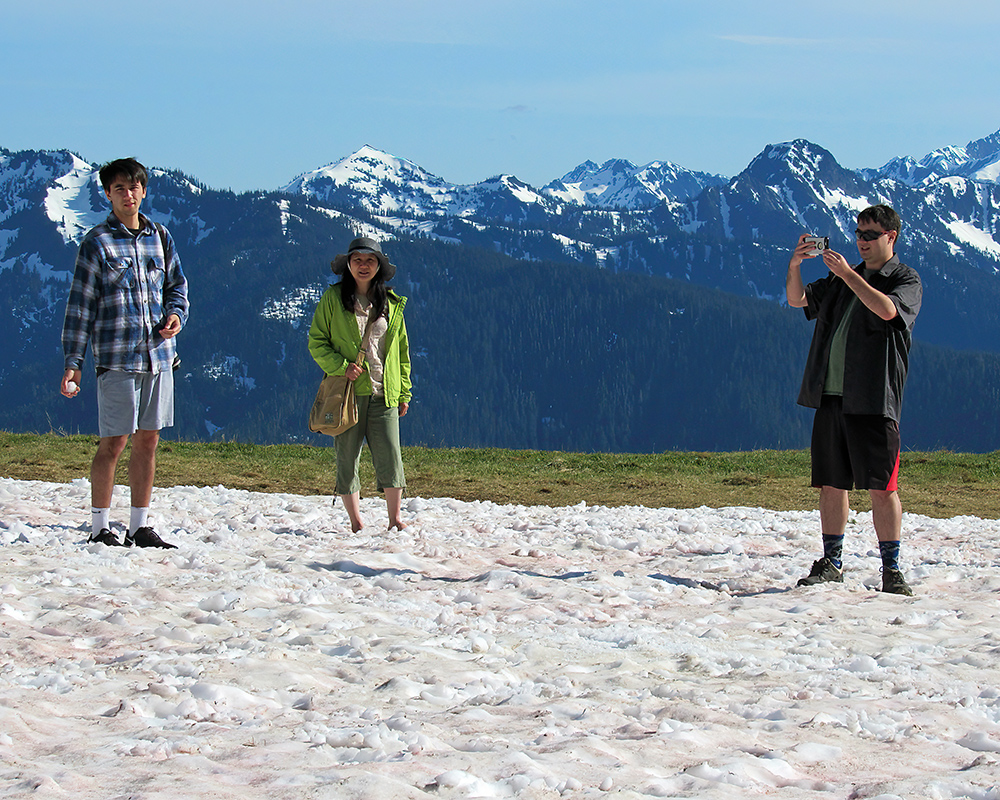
<point x="381" y="384"/>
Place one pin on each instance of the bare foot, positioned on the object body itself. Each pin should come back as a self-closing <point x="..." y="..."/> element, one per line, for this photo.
<point x="397" y="525"/>
<point x="356" y="526"/>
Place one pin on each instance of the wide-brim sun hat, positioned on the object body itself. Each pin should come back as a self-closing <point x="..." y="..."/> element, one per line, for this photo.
<point x="363" y="244"/>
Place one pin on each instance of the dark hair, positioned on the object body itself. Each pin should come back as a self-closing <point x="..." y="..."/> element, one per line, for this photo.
<point x="127" y="168"/>
<point x="378" y="292"/>
<point x="883" y="216"/>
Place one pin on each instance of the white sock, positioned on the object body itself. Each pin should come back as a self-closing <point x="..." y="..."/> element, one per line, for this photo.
<point x="100" y="518"/>
<point x="137" y="519"/>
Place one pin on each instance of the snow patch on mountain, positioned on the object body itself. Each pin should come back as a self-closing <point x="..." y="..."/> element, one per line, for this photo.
<point x="727" y="229"/>
<point x="6" y="237"/>
<point x="294" y="304"/>
<point x="972" y="236"/>
<point x="395" y="226"/>
<point x="231" y="368"/>
<point x="202" y="227"/>
<point x="386" y="229"/>
<point x="33" y="262"/>
<point x="285" y="216"/>
<point x="69" y="202"/>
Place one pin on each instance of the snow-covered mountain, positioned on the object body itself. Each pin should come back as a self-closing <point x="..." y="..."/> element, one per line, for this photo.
<point x="391" y="187"/>
<point x="793" y="185"/>
<point x="388" y="186"/>
<point x="620" y="184"/>
<point x="625" y="217"/>
<point x="261" y="257"/>
<point x="979" y="160"/>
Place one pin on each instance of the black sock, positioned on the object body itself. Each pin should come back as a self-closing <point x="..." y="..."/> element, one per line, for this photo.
<point x="890" y="554"/>
<point x="833" y="549"/>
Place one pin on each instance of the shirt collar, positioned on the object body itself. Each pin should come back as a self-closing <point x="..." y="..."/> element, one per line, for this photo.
<point x="885" y="269"/>
<point x="145" y="226"/>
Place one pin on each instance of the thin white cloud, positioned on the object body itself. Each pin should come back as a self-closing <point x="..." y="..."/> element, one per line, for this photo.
<point x="782" y="41"/>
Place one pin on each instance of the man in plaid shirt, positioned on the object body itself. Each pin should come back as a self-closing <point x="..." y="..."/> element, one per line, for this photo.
<point x="128" y="301"/>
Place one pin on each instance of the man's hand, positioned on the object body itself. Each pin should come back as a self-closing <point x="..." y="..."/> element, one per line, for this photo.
<point x="876" y="302"/>
<point x="70" y="386"/>
<point x="802" y="251"/>
<point x="795" y="290"/>
<point x="171" y="327"/>
<point x="837" y="264"/>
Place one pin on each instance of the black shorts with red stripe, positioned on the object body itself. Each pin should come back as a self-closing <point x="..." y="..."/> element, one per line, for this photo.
<point x="854" y="451"/>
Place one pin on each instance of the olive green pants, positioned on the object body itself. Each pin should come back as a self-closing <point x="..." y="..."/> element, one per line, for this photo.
<point x="380" y="427"/>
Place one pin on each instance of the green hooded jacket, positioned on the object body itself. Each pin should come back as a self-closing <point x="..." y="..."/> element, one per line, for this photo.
<point x="334" y="342"/>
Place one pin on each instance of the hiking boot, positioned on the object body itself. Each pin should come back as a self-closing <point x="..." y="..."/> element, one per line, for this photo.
<point x="147" y="537"/>
<point x="104" y="536"/>
<point x="822" y="571"/>
<point x="893" y="582"/>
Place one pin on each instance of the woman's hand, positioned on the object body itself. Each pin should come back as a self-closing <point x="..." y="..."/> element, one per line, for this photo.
<point x="353" y="372"/>
<point x="403" y="408"/>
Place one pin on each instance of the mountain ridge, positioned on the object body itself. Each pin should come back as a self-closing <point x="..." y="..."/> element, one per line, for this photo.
<point x="688" y="264"/>
<point x="600" y="185"/>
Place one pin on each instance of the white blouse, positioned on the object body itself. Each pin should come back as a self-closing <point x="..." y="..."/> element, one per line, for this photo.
<point x="375" y="355"/>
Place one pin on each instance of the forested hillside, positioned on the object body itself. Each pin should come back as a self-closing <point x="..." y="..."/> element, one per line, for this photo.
<point x="509" y="353"/>
<point x="525" y="353"/>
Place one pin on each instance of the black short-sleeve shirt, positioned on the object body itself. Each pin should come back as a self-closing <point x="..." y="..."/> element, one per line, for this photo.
<point x="878" y="352"/>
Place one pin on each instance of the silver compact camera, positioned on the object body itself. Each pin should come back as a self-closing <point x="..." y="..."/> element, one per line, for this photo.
<point x="819" y="243"/>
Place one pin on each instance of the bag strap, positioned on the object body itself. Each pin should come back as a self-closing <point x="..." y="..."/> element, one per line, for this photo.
<point x="365" y="342"/>
<point x="162" y="233"/>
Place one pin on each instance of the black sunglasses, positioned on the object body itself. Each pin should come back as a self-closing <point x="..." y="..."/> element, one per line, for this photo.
<point x="868" y="236"/>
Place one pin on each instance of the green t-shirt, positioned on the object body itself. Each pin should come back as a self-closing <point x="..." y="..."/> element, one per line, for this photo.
<point x="834" y="383"/>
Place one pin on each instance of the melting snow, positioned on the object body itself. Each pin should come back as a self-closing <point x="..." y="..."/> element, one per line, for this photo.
<point x="488" y="651"/>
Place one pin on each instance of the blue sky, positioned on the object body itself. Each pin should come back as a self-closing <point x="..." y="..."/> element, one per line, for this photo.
<point x="248" y="95"/>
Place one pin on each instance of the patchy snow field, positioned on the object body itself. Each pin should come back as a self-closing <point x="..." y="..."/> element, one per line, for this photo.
<point x="488" y="651"/>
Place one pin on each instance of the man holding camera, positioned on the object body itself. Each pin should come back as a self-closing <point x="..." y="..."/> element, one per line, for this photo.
<point x="854" y="378"/>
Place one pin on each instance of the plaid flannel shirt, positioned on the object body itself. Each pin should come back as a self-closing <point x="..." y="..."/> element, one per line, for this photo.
<point x="124" y="288"/>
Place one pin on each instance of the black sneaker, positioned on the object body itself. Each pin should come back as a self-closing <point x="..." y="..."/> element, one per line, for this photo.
<point x="893" y="582"/>
<point x="147" y="537"/>
<point x="823" y="571"/>
<point x="105" y="536"/>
